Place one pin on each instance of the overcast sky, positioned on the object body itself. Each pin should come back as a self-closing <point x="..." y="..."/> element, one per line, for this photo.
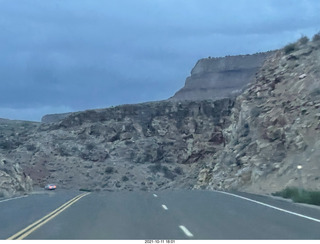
<point x="69" y="55"/>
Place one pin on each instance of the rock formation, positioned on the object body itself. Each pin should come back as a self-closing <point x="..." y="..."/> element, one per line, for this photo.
<point x="275" y="127"/>
<point x="218" y="78"/>
<point x="253" y="142"/>
<point x="147" y="146"/>
<point x="52" y="118"/>
<point x="13" y="180"/>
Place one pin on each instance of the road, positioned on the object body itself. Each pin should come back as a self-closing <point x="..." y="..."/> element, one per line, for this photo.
<point x="163" y="215"/>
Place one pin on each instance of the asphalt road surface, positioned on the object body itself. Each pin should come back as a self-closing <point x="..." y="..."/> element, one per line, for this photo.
<point x="164" y="215"/>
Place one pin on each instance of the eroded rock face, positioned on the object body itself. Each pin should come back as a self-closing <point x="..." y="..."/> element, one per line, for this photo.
<point x="146" y="146"/>
<point x="52" y="118"/>
<point x="251" y="143"/>
<point x="275" y="127"/>
<point x="13" y="181"/>
<point x="217" y="78"/>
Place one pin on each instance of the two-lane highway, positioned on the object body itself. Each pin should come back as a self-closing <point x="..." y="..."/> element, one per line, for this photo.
<point x="116" y="215"/>
<point x="163" y="215"/>
<point x="17" y="213"/>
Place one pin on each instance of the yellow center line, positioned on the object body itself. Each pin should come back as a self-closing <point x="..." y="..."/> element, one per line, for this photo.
<point x="31" y="228"/>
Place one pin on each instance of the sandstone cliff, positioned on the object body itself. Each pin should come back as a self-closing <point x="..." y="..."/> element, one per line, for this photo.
<point x="218" y="78"/>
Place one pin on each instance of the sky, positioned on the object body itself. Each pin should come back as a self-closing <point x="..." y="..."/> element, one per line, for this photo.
<point x="62" y="56"/>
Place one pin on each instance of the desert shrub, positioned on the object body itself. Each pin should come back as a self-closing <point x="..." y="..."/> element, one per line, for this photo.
<point x="82" y="136"/>
<point x="178" y="170"/>
<point x="95" y="130"/>
<point x="168" y="173"/>
<point x="114" y="138"/>
<point x="90" y="146"/>
<point x="124" y="178"/>
<point x="109" y="170"/>
<point x="31" y="147"/>
<point x="315" y="92"/>
<point x="303" y="40"/>
<point x="316" y="37"/>
<point x="245" y="130"/>
<point x="10" y="144"/>
<point x="289" y="48"/>
<point x="6" y="145"/>
<point x="63" y="151"/>
<point x="300" y="195"/>
<point x="155" y="168"/>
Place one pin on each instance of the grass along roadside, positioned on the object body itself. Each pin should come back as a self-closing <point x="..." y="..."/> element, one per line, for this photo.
<point x="300" y="195"/>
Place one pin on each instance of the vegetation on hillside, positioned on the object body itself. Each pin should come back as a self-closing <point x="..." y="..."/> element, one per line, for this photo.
<point x="300" y="195"/>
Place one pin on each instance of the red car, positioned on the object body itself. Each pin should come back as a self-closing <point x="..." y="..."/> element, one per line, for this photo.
<point x="50" y="187"/>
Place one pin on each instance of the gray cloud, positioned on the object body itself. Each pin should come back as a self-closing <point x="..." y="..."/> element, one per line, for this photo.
<point x="58" y="55"/>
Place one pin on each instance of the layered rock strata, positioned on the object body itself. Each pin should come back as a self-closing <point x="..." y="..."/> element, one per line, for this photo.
<point x="218" y="78"/>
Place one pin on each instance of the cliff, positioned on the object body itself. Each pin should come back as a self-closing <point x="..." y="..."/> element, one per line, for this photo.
<point x="224" y="77"/>
<point x="52" y="118"/>
<point x="275" y="127"/>
<point x="215" y="140"/>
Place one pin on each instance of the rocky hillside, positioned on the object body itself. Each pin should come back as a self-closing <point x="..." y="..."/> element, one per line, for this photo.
<point x="146" y="146"/>
<point x="218" y="78"/>
<point x="275" y="127"/>
<point x="253" y="142"/>
<point x="13" y="180"/>
<point x="52" y="118"/>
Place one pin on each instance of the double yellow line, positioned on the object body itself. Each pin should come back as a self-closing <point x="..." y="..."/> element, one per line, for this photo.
<point x="31" y="228"/>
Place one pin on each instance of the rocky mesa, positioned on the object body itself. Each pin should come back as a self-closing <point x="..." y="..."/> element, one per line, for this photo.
<point x="223" y="77"/>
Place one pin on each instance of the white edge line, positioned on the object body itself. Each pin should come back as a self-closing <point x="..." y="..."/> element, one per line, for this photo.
<point x="9" y="199"/>
<point x="164" y="207"/>
<point x="270" y="206"/>
<point x="185" y="231"/>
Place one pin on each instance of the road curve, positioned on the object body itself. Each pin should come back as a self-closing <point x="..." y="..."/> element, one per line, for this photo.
<point x="203" y="215"/>
<point x="17" y="213"/>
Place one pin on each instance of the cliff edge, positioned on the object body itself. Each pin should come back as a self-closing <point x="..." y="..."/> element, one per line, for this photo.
<point x="218" y="78"/>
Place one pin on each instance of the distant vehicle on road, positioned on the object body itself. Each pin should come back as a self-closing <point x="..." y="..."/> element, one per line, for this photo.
<point x="50" y="187"/>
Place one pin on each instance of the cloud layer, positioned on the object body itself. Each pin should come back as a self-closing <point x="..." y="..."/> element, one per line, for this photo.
<point x="76" y="54"/>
